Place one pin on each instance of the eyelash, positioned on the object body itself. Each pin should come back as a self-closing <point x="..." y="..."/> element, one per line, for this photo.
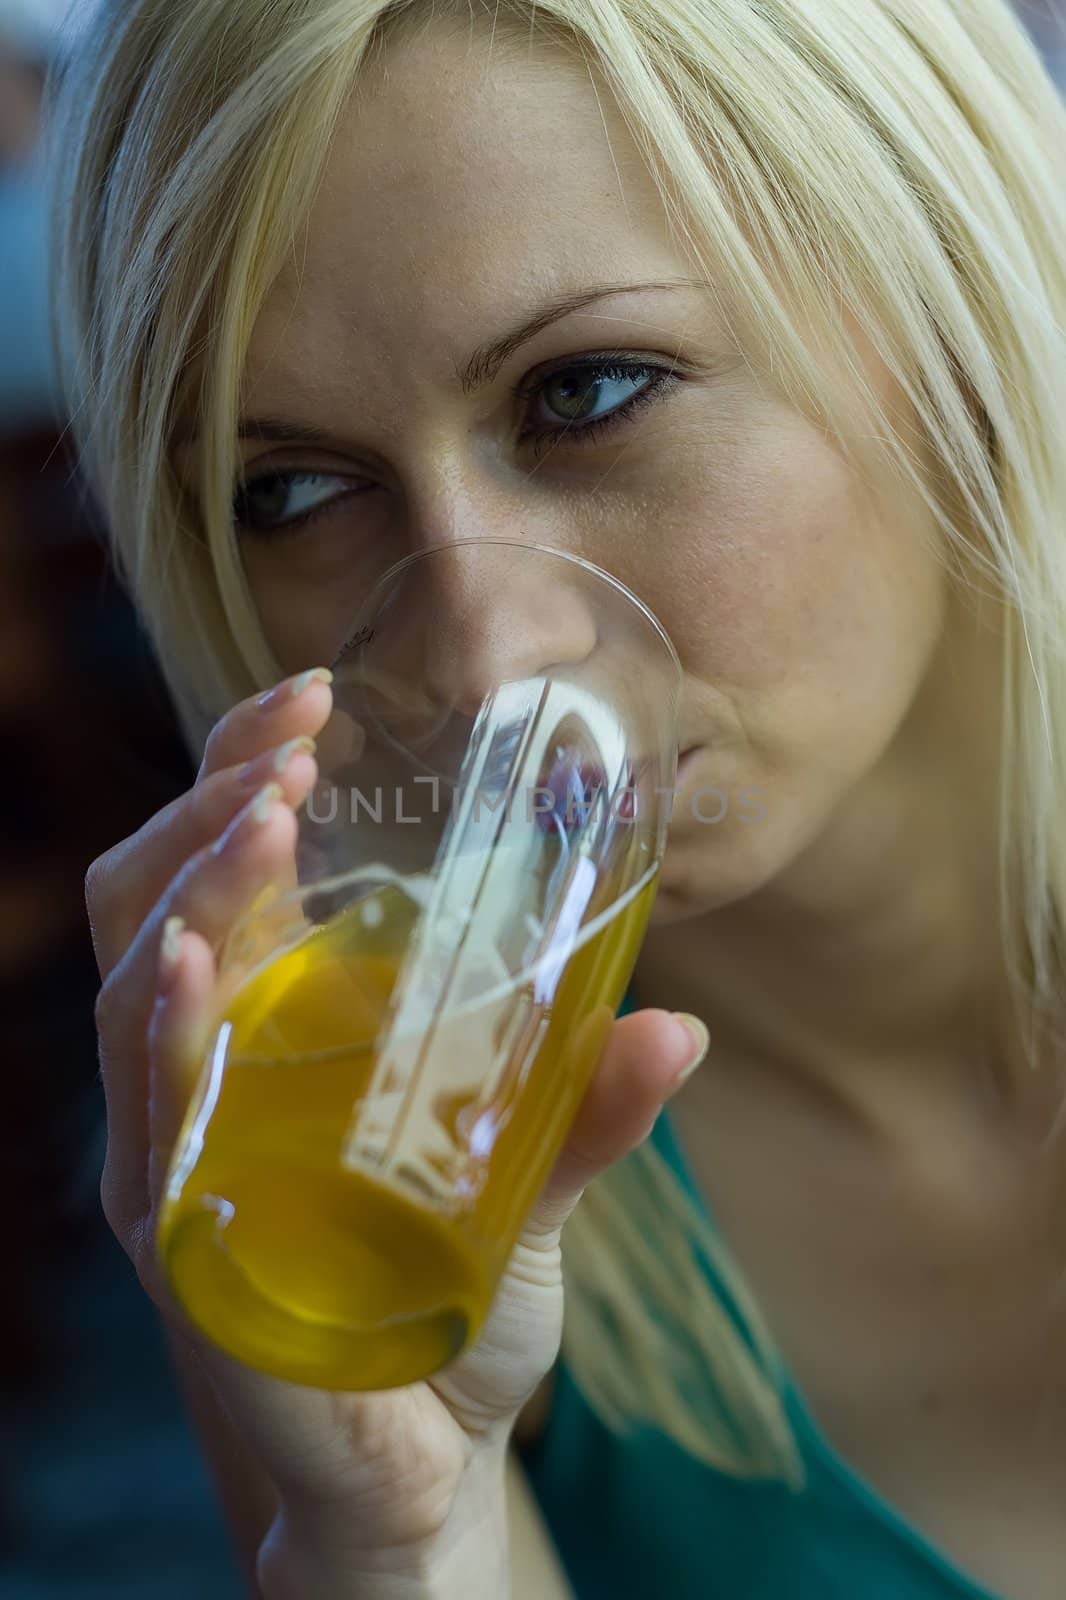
<point x="612" y="368"/>
<point x="662" y="379"/>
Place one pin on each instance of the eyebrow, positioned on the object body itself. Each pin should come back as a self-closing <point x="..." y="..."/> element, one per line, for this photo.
<point x="482" y="367"/>
<point x="486" y="362"/>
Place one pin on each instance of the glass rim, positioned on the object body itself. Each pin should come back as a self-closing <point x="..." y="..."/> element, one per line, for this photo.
<point x="470" y="542"/>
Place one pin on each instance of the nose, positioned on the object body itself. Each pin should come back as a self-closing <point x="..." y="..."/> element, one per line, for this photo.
<point x="489" y="613"/>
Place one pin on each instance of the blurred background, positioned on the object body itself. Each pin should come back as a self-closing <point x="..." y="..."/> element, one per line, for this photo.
<point x="103" y="1494"/>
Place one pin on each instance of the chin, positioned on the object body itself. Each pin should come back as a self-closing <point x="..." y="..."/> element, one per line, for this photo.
<point x="710" y="868"/>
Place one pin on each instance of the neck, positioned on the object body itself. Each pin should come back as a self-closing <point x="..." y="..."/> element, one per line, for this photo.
<point x="874" y="963"/>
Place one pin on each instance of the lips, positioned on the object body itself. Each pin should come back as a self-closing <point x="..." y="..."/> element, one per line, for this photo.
<point x="575" y="785"/>
<point x="574" y="781"/>
<point x="685" y="760"/>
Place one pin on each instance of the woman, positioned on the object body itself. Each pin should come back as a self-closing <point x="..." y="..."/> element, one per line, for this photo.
<point x="758" y="304"/>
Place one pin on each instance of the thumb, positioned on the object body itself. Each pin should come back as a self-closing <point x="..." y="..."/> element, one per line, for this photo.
<point x="648" y="1056"/>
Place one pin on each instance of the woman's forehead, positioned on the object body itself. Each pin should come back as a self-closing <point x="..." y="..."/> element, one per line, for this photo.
<point x="467" y="182"/>
<point x="459" y="172"/>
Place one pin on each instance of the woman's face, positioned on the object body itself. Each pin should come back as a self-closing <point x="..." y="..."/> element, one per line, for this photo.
<point x="465" y="192"/>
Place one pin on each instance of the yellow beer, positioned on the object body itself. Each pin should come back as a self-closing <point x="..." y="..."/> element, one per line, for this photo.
<point x="306" y="1251"/>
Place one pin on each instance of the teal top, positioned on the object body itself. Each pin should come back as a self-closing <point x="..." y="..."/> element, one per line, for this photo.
<point x="638" y="1516"/>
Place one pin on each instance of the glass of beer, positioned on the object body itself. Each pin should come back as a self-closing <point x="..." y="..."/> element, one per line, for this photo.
<point x="408" y="1020"/>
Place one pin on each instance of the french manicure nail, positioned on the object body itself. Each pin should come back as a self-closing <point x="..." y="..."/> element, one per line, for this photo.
<point x="274" y="697"/>
<point x="701" y="1040"/>
<point x="253" y="772"/>
<point x="286" y="752"/>
<point x="292" y="688"/>
<point x="259" y="809"/>
<point x="304" y="681"/>
<point x="169" y="952"/>
<point x="256" y="811"/>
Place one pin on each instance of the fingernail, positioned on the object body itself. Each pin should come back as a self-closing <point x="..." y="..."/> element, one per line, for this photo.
<point x="257" y="811"/>
<point x="285" y="754"/>
<point x="274" y="697"/>
<point x="170" y="952"/>
<point x="292" y="688"/>
<point x="253" y="773"/>
<point x="701" y="1041"/>
<point x="304" y="681"/>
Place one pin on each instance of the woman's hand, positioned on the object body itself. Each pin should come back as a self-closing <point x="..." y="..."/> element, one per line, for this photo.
<point x="400" y="1486"/>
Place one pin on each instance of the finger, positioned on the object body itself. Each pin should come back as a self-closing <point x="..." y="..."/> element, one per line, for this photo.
<point x="123" y="885"/>
<point x="648" y="1056"/>
<point x="296" y="706"/>
<point x="208" y="895"/>
<point x="178" y="1037"/>
<point x="177" y="1040"/>
<point x="183" y="987"/>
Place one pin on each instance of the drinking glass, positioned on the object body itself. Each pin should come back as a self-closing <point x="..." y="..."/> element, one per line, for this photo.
<point x="407" y="1019"/>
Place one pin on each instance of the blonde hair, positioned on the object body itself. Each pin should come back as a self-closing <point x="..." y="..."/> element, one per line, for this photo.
<point x="893" y="157"/>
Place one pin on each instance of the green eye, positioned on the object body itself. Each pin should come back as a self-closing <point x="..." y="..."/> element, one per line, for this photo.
<point x="277" y="500"/>
<point x="589" y="397"/>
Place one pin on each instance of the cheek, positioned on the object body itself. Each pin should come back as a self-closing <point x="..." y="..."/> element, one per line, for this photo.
<point x="806" y="615"/>
<point x="305" y="621"/>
